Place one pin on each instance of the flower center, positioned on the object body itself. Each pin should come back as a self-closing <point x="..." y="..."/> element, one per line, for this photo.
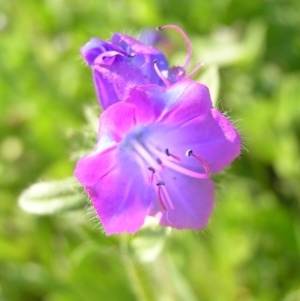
<point x="154" y="161"/>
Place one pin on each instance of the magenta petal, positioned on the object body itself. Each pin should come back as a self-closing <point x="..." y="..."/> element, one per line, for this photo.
<point x="225" y="145"/>
<point x="186" y="100"/>
<point x="143" y="56"/>
<point x="121" y="198"/>
<point x="175" y="105"/>
<point x="113" y="82"/>
<point x="211" y="136"/>
<point x="93" y="48"/>
<point x="116" y="121"/>
<point x="131" y="45"/>
<point x="225" y="125"/>
<point x="92" y="167"/>
<point x="107" y="58"/>
<point x="148" y="101"/>
<point x="192" y="201"/>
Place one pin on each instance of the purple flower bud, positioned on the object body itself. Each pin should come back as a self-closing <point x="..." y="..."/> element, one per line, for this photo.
<point x="121" y="64"/>
<point x="124" y="62"/>
<point x="154" y="156"/>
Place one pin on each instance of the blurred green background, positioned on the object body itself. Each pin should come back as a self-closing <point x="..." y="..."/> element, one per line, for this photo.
<point x="251" y="247"/>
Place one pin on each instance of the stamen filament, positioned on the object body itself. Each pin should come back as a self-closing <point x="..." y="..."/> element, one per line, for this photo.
<point x="152" y="174"/>
<point x="166" y="82"/>
<point x="145" y="155"/>
<point x="181" y="169"/>
<point x="191" y="153"/>
<point x="199" y="65"/>
<point x="165" y="192"/>
<point x="161" y="201"/>
<point x="186" y="39"/>
<point x="171" y="155"/>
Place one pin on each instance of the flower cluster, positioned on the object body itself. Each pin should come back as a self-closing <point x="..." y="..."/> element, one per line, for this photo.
<point x="159" y="139"/>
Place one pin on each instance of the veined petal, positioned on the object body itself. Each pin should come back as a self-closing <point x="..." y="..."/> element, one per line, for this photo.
<point x="121" y="198"/>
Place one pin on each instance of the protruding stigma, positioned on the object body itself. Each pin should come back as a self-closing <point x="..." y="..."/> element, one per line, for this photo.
<point x="186" y="39"/>
<point x="161" y="76"/>
<point x="161" y="201"/>
<point x="190" y="152"/>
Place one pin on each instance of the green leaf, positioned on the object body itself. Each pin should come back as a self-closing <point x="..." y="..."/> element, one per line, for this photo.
<point x="53" y="197"/>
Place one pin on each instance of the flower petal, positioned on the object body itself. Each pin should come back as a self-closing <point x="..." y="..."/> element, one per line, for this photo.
<point x="192" y="201"/>
<point x="175" y="105"/>
<point x="95" y="47"/>
<point x="185" y="100"/>
<point x="212" y="137"/>
<point x="149" y="104"/>
<point x="108" y="58"/>
<point x="113" y="82"/>
<point x="121" y="198"/>
<point x="116" y="121"/>
<point x="131" y="45"/>
<point x="143" y="56"/>
<point x="92" y="167"/>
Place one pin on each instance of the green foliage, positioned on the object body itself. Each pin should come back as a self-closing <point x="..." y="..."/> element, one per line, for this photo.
<point x="251" y="248"/>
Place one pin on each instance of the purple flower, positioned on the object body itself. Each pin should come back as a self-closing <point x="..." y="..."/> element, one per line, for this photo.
<point x="121" y="64"/>
<point x="154" y="156"/>
<point x="125" y="62"/>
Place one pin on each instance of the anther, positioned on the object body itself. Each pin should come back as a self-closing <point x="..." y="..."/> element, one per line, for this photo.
<point x="158" y="161"/>
<point x="171" y="155"/>
<point x="151" y="169"/>
<point x="161" y="76"/>
<point x="161" y="201"/>
<point x="152" y="174"/>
